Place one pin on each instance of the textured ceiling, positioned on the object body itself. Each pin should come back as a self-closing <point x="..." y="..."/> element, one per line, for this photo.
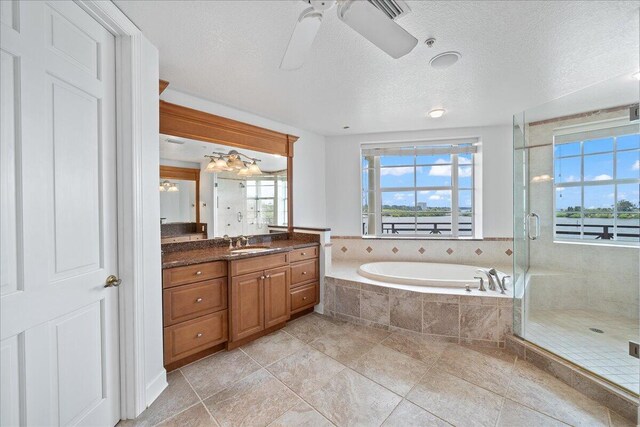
<point x="515" y="55"/>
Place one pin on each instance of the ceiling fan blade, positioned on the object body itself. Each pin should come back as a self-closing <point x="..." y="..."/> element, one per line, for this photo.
<point x="376" y="27"/>
<point x="301" y="39"/>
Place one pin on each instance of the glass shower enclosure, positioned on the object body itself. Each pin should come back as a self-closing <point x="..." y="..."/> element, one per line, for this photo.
<point x="577" y="228"/>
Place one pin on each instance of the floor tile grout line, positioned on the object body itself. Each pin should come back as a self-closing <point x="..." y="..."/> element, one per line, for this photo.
<point x="177" y="413"/>
<point x="198" y="395"/>
<point x="506" y="390"/>
<point x="506" y="396"/>
<point x="234" y="382"/>
<point x="291" y="390"/>
<point x="417" y="384"/>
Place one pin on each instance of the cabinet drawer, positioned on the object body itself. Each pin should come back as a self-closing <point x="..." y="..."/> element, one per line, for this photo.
<point x="193" y="273"/>
<point x="258" y="263"/>
<point x="189" y="301"/>
<point x="304" y="271"/>
<point x="195" y="335"/>
<point x="303" y="254"/>
<point x="304" y="297"/>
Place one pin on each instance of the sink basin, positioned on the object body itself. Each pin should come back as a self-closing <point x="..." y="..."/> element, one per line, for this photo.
<point x="248" y="250"/>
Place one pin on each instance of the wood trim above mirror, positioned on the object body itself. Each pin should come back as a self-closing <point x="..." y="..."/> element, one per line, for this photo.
<point x="180" y="121"/>
<point x="185" y="174"/>
<point x="185" y="122"/>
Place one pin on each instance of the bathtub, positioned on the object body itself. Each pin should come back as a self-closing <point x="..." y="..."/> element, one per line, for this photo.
<point x="424" y="274"/>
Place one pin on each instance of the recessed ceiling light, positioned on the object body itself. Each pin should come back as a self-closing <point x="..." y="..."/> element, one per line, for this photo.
<point x="444" y="60"/>
<point x="436" y="113"/>
<point x="636" y="75"/>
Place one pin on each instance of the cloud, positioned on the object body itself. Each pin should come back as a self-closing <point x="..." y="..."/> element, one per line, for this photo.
<point x="445" y="169"/>
<point x="636" y="166"/>
<point x="396" y="171"/>
<point x="602" y="177"/>
<point x="401" y="196"/>
<point x="435" y="197"/>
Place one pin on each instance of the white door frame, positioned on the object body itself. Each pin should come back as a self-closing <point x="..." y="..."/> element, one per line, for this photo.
<point x="131" y="260"/>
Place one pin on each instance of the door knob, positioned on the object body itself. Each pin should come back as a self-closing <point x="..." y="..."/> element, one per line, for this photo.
<point x="112" y="281"/>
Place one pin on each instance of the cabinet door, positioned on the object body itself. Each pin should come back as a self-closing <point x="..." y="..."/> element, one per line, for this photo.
<point x="276" y="296"/>
<point x="247" y="305"/>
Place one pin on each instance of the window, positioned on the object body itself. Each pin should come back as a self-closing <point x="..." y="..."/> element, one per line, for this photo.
<point x="418" y="190"/>
<point x="267" y="200"/>
<point x="596" y="183"/>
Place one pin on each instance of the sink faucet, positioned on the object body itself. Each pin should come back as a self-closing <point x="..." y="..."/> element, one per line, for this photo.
<point x="229" y="239"/>
<point x="490" y="279"/>
<point x="241" y="239"/>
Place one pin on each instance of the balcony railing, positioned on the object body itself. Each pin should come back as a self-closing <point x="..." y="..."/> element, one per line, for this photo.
<point x="600" y="231"/>
<point x="597" y="231"/>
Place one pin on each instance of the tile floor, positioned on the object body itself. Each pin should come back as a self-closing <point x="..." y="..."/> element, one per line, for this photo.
<point x="321" y="372"/>
<point x="566" y="333"/>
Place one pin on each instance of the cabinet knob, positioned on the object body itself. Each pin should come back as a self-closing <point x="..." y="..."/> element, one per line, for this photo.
<point x="303" y="253"/>
<point x="198" y="299"/>
<point x="199" y="334"/>
<point x="304" y="273"/>
<point x="262" y="277"/>
<point x="304" y="298"/>
<point x="198" y="273"/>
<point x="268" y="276"/>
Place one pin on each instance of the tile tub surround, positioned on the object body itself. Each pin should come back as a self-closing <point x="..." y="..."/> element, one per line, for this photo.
<point x="489" y="252"/>
<point x="625" y="405"/>
<point x="480" y="318"/>
<point x="398" y="379"/>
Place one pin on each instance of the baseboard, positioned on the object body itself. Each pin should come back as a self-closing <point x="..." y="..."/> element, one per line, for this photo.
<point x="156" y="387"/>
<point x="319" y="308"/>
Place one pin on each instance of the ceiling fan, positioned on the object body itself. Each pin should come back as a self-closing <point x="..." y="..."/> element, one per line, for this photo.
<point x="369" y="21"/>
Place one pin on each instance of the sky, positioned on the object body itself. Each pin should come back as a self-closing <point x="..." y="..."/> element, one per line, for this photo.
<point x="598" y="167"/>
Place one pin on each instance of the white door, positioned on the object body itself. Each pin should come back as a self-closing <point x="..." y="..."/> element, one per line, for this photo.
<point x="59" y="330"/>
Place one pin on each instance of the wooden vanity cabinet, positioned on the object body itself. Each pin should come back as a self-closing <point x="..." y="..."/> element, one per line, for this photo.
<point x="276" y="296"/>
<point x="247" y="305"/>
<point x="195" y="314"/>
<point x="305" y="274"/>
<point x="260" y="300"/>
<point x="233" y="302"/>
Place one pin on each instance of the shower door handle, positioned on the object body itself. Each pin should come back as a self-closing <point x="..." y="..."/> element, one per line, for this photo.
<point x="536" y="221"/>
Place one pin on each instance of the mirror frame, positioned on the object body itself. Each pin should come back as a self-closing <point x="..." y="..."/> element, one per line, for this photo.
<point x="185" y="174"/>
<point x="176" y="120"/>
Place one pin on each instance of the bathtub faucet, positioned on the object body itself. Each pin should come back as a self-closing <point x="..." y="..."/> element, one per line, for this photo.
<point x="493" y="272"/>
<point x="490" y="279"/>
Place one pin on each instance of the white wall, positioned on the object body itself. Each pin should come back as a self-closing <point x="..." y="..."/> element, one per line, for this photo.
<point x="343" y="176"/>
<point x="308" y="161"/>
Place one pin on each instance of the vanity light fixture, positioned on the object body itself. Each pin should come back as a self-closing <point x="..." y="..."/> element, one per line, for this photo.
<point x="168" y="186"/>
<point x="436" y="113"/>
<point x="233" y="161"/>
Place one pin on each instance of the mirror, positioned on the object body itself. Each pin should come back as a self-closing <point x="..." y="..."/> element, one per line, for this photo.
<point x="237" y="191"/>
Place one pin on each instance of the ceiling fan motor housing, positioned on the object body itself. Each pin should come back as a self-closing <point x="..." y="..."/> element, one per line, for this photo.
<point x="322" y="5"/>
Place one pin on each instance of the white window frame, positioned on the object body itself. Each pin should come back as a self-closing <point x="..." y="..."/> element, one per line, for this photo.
<point x="583" y="128"/>
<point x="454" y="149"/>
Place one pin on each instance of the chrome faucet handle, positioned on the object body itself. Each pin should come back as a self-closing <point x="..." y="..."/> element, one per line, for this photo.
<point x="504" y="283"/>
<point x="482" y="288"/>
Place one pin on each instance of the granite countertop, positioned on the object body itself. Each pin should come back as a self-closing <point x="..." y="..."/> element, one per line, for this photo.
<point x="197" y="256"/>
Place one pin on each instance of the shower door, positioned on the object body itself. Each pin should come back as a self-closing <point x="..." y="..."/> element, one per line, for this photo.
<point x="577" y="228"/>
